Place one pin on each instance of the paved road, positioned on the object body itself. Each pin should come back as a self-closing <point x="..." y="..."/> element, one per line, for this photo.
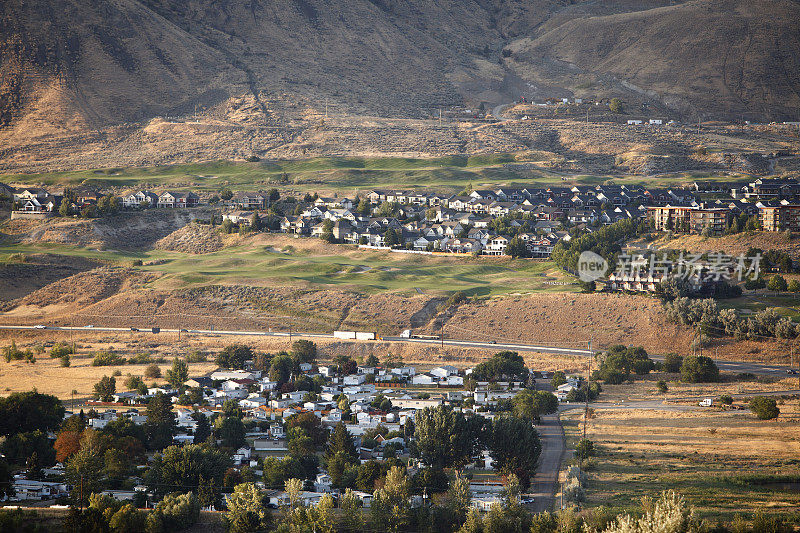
<point x="729" y="366"/>
<point x="544" y="484"/>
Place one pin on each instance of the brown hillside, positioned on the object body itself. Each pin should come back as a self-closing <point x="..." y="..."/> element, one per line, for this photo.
<point x="74" y="74"/>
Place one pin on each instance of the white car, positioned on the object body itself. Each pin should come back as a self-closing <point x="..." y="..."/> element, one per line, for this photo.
<point x="39" y="326"/>
<point x="89" y="326"/>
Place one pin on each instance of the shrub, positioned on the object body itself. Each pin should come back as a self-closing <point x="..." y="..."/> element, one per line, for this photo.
<point x="672" y="362"/>
<point x="662" y="386"/>
<point x="777" y="283"/>
<point x="196" y="357"/>
<point x="140" y="359"/>
<point x="558" y="379"/>
<point x="60" y="349"/>
<point x="794" y="286"/>
<point x="65" y="361"/>
<point x="584" y="449"/>
<point x="726" y="399"/>
<point x="152" y="372"/>
<point x="699" y="369"/>
<point x="108" y="359"/>
<point x="764" y="408"/>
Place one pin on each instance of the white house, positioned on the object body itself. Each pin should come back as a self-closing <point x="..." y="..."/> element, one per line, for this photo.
<point x="354" y="379"/>
<point x="423" y="379"/>
<point x="444" y="371"/>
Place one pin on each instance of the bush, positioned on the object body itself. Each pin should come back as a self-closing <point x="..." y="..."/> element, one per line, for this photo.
<point x="60" y="349"/>
<point x="140" y="359"/>
<point x="196" y="357"/>
<point x="764" y="408"/>
<point x="699" y="369"/>
<point x="65" y="361"/>
<point x="726" y="399"/>
<point x="584" y="449"/>
<point x="794" y="286"/>
<point x="558" y="379"/>
<point x="152" y="372"/>
<point x="672" y="362"/>
<point x="777" y="283"/>
<point x="662" y="386"/>
<point x="108" y="359"/>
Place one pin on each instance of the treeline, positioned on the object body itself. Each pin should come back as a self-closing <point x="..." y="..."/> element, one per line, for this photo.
<point x="606" y="242"/>
<point x="712" y="320"/>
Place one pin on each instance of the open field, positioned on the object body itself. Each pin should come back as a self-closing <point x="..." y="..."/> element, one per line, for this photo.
<point x="47" y="376"/>
<point x="713" y="457"/>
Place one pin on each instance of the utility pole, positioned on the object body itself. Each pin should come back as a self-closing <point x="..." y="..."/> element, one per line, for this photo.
<point x="441" y="332"/>
<point x="440" y="116"/>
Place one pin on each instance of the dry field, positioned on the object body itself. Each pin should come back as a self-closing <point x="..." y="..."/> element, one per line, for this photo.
<point x="733" y="244"/>
<point x="709" y="455"/>
<point x="47" y="376"/>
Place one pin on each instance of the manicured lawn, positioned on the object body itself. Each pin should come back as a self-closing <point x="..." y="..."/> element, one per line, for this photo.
<point x="345" y="267"/>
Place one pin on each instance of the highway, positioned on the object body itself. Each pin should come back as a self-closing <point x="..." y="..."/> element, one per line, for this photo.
<point x="727" y="366"/>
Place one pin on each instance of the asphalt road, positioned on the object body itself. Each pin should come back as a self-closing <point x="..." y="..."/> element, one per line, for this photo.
<point x="728" y="366"/>
<point x="544" y="484"/>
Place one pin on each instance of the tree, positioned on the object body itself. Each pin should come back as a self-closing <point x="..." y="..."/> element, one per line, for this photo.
<point x="699" y="369"/>
<point x="364" y="207"/>
<point x="234" y="356"/>
<point x="18" y="447"/>
<point x="175" y="512"/>
<point x="178" y="374"/>
<point x="84" y="471"/>
<point x="584" y="449"/>
<point x="794" y="286"/>
<point x="30" y="411"/>
<point x="281" y="369"/>
<point x="203" y="429"/>
<point x="160" y="426"/>
<point x="304" y="351"/>
<point x="6" y="479"/>
<point x="662" y="386"/>
<point x="274" y="195"/>
<point x="67" y="444"/>
<point x="615" y="106"/>
<point x="390" y="506"/>
<point x="105" y="388"/>
<point x="515" y="446"/>
<point x="443" y="438"/>
<point x="558" y="379"/>
<point x="187" y="466"/>
<point x="516" y="248"/>
<point x="231" y="432"/>
<point x="672" y="362"/>
<point x="530" y="405"/>
<point x="777" y="283"/>
<point x="64" y="209"/>
<point x="327" y="231"/>
<point x="340" y="441"/>
<point x="352" y="519"/>
<point x="765" y="408"/>
<point x="502" y="365"/>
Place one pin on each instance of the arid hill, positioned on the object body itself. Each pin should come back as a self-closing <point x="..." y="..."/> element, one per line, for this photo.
<point x="261" y="73"/>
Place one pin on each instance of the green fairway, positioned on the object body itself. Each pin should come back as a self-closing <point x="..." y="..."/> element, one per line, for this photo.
<point x="342" y="267"/>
